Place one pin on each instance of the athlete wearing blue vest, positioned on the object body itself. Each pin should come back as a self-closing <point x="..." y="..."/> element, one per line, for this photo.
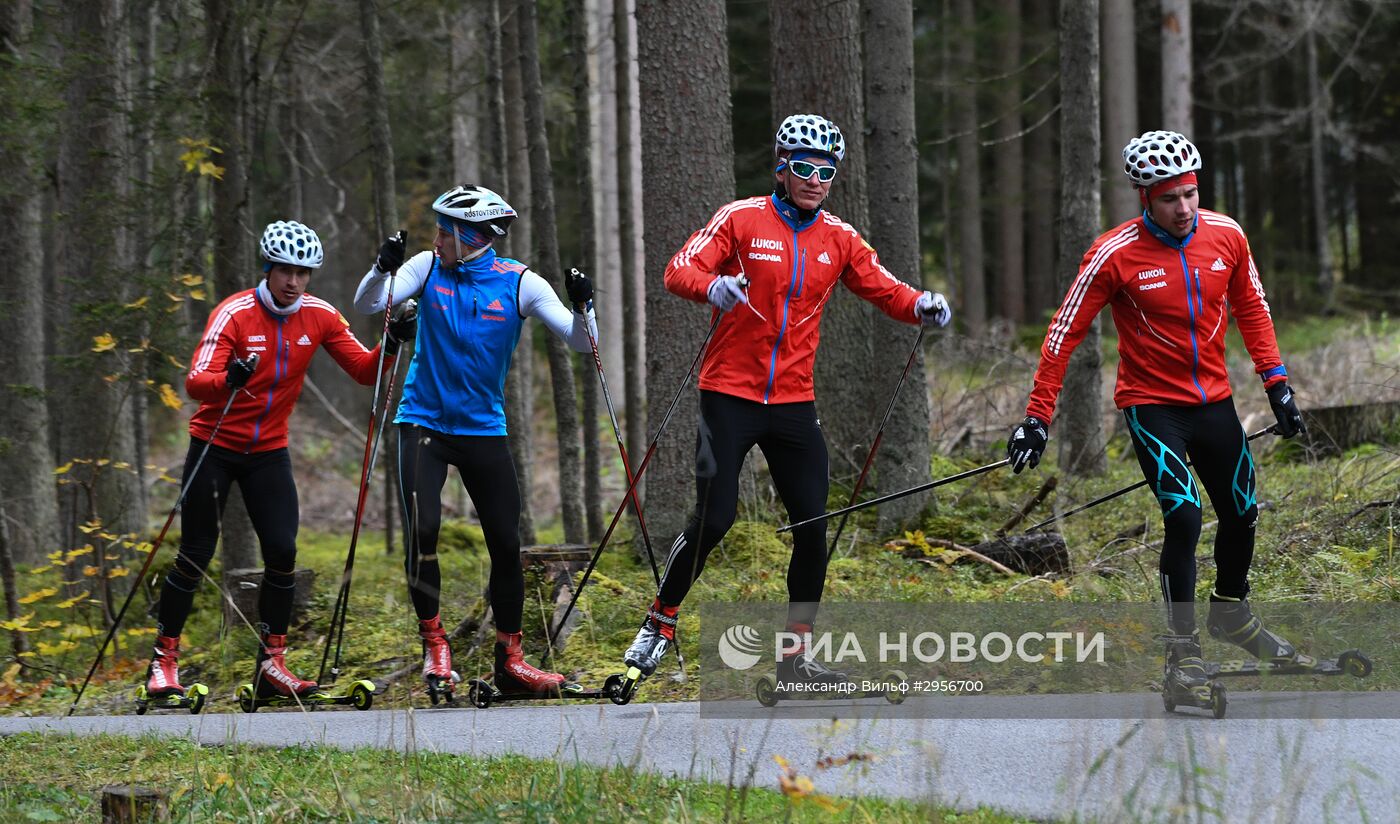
<point x="472" y="305"/>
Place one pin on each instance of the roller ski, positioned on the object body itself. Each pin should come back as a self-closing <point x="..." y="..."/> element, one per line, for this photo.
<point x="513" y="679"/>
<point x="1352" y="662"/>
<point x="1185" y="678"/>
<point x="438" y="676"/>
<point x="275" y="686"/>
<point x="163" y="690"/>
<point x="1231" y="620"/>
<point x="799" y="675"/>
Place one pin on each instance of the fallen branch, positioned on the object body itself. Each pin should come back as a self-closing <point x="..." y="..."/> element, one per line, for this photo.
<point x="917" y="554"/>
<point x="1026" y="508"/>
<point x="1374" y="505"/>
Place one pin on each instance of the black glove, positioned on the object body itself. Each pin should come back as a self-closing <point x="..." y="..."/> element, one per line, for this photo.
<point x="1281" y="400"/>
<point x="579" y="288"/>
<point x="239" y="370"/>
<point x="1027" y="444"/>
<point x="403" y="326"/>
<point x="391" y="253"/>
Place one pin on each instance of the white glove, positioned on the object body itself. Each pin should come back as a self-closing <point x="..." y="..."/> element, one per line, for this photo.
<point x="932" y="307"/>
<point x="725" y="293"/>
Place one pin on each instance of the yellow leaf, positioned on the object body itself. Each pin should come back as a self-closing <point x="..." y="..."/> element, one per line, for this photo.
<point x="104" y="343"/>
<point x="11" y="673"/>
<point x="56" y="555"/>
<point x="118" y="572"/>
<point x="175" y="298"/>
<point x="191" y="279"/>
<point x="138" y="303"/>
<point x="63" y="470"/>
<point x="28" y="654"/>
<point x="38" y="595"/>
<point x="72" y="602"/>
<point x="209" y="169"/>
<point x="90" y="527"/>
<point x="44" y="568"/>
<point x="169" y="398"/>
<point x="79" y="552"/>
<point x="103" y="461"/>
<point x="174" y="361"/>
<point x="197" y="294"/>
<point x="51" y="624"/>
<point x="56" y="649"/>
<point x="141" y="631"/>
<point x="90" y="571"/>
<point x="18" y="623"/>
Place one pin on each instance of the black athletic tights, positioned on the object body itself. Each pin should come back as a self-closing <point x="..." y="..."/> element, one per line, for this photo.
<point x="485" y="465"/>
<point x="791" y="439"/>
<point x="1212" y="438"/>
<point x="270" y="495"/>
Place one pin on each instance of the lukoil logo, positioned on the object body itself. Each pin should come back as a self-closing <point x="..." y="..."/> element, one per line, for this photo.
<point x="739" y="647"/>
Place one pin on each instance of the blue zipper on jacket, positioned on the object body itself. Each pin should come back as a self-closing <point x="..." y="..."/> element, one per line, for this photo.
<point x="279" y="363"/>
<point x="794" y="286"/>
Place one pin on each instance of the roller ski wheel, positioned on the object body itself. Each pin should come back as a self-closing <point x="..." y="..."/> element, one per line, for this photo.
<point x="442" y="690"/>
<point x="193" y="700"/>
<point x="625" y="686"/>
<point x="360" y="695"/>
<point x="1217" y="700"/>
<point x="896" y="695"/>
<point x="1352" y="662"/>
<point x="766" y="691"/>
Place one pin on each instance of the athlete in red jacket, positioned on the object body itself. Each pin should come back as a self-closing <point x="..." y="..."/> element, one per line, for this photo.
<point x="756" y="381"/>
<point x="257" y="344"/>
<point x="1170" y="276"/>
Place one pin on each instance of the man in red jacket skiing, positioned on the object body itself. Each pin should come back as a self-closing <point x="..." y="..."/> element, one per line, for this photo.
<point x="258" y="344"/>
<point x="1169" y="277"/>
<point x="756" y="385"/>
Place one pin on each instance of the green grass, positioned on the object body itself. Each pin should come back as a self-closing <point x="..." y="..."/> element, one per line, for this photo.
<point x="57" y="778"/>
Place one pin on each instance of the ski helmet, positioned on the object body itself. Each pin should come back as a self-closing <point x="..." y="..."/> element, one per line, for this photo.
<point x="1158" y="156"/>
<point x="286" y="241"/>
<point x="484" y="209"/>
<point x="810" y="132"/>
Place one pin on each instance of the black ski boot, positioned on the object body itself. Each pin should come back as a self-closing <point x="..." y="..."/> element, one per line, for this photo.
<point x="1231" y="619"/>
<point x="801" y="674"/>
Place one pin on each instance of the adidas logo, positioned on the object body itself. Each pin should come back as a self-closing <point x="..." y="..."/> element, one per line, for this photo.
<point x="303" y="341"/>
<point x="824" y="258"/>
<point x="496" y="305"/>
<point x="1218" y="265"/>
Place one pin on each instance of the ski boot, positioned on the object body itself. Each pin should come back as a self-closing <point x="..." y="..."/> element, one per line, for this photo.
<point x="800" y="675"/>
<point x="275" y="686"/>
<point x="1230" y="619"/>
<point x="162" y="689"/>
<point x="657" y="634"/>
<point x="437" y="661"/>
<point x="1185" y="681"/>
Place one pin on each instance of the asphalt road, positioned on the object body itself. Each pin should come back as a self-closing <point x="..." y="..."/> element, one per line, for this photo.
<point x="1275" y="758"/>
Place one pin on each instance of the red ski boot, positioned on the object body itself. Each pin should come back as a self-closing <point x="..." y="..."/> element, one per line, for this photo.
<point x="513" y="675"/>
<point x="437" y="660"/>
<point x="163" y="676"/>
<point x="272" y="678"/>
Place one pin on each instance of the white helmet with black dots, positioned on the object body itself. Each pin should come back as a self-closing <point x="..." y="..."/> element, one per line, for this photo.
<point x="813" y="133"/>
<point x="477" y="205"/>
<point x="1157" y="156"/>
<point x="286" y="241"/>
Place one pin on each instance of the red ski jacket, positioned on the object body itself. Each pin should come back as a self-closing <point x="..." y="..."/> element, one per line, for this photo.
<point x="764" y="351"/>
<point x="1169" y="298"/>
<point x="242" y="326"/>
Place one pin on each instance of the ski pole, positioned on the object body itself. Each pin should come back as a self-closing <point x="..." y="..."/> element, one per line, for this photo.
<point x="627" y="466"/>
<point x="875" y="445"/>
<point x="338" y="612"/>
<point x="632" y="484"/>
<point x="150" y="556"/>
<point x="1110" y="496"/>
<point x="901" y="494"/>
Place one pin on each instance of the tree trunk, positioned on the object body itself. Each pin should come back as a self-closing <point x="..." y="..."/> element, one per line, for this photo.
<point x="1041" y="164"/>
<point x="589" y="263"/>
<point x="683" y="115"/>
<point x="1318" y="105"/>
<point x="93" y="167"/>
<point x="1176" y="67"/>
<point x="1080" y="426"/>
<point x="892" y="163"/>
<point x="598" y="54"/>
<point x="833" y="87"/>
<point x="234" y="237"/>
<point x="628" y="161"/>
<point x="566" y="413"/>
<point x="1009" y="275"/>
<point x="1120" y="121"/>
<point x="520" y="398"/>
<point x="386" y="214"/>
<point x="19" y="644"/>
<point x="27" y="484"/>
<point x="968" y="181"/>
<point x="469" y="107"/>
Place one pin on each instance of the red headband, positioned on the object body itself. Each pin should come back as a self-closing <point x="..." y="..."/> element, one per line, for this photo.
<point x="1146" y="194"/>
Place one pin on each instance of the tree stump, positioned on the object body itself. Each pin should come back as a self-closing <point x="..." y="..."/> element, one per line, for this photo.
<point x="1034" y="553"/>
<point x="128" y="804"/>
<point x="1335" y="429"/>
<point x="243" y="590"/>
<point x="561" y="563"/>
